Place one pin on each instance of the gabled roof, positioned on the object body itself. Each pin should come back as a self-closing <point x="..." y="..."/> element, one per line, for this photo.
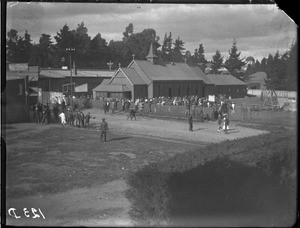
<point x="133" y="76"/>
<point x="111" y="88"/>
<point x="199" y="72"/>
<point x="225" y="79"/>
<point x="167" y="72"/>
<point x="257" y="77"/>
<point x="104" y="82"/>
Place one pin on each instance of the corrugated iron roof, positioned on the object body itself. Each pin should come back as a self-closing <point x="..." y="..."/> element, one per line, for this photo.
<point x="59" y="73"/>
<point x="133" y="76"/>
<point x="225" y="79"/>
<point x="203" y="76"/>
<point x="168" y="71"/>
<point x="11" y="75"/>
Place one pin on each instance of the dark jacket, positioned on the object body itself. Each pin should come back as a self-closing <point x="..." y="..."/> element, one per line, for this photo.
<point x="103" y="126"/>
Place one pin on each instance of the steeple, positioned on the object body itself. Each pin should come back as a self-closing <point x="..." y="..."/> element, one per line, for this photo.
<point x="151" y="56"/>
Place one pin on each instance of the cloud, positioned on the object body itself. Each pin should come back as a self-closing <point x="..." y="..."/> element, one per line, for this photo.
<point x="256" y="27"/>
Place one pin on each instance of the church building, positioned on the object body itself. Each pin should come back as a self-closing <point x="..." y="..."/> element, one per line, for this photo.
<point x="152" y="78"/>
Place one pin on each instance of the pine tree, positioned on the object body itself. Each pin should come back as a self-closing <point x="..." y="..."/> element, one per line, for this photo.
<point x="217" y="61"/>
<point x="176" y="55"/>
<point x="292" y="68"/>
<point x="234" y="63"/>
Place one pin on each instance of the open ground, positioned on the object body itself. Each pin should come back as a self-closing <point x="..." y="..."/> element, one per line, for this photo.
<point x="75" y="179"/>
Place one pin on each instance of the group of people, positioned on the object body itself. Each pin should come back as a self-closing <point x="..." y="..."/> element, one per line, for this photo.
<point x="61" y="113"/>
<point x="41" y="113"/>
<point x="223" y="121"/>
<point x="75" y="118"/>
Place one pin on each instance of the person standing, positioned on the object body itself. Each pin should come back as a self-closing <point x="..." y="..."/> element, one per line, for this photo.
<point x="226" y="123"/>
<point x="103" y="129"/>
<point x="190" y="123"/>
<point x="219" y="120"/>
<point x="63" y="118"/>
<point x="104" y="107"/>
<point x="55" y="111"/>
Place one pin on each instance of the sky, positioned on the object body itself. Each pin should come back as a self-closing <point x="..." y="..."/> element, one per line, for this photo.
<point x="258" y="29"/>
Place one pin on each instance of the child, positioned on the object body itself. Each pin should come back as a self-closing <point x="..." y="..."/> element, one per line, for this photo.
<point x="63" y="118"/>
<point x="226" y="123"/>
<point x="87" y="119"/>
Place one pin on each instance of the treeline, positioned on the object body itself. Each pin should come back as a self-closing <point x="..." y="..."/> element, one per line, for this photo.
<point x="281" y="69"/>
<point x="95" y="52"/>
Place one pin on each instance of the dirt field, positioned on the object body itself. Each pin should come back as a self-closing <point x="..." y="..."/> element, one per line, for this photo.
<point x="75" y="179"/>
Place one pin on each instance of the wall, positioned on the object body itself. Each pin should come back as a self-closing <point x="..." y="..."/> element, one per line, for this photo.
<point x="177" y="88"/>
<point x="57" y="83"/>
<point x="140" y="91"/>
<point x="235" y="91"/>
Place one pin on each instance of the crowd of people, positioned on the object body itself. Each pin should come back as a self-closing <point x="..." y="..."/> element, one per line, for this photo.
<point x="66" y="115"/>
<point x="62" y="114"/>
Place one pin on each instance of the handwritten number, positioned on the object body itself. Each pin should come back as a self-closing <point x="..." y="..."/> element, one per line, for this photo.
<point x="26" y="212"/>
<point x="33" y="212"/>
<point x="14" y="213"/>
<point x="41" y="213"/>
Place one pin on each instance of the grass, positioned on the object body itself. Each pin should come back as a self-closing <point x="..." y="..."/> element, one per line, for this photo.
<point x="269" y="159"/>
<point x="60" y="159"/>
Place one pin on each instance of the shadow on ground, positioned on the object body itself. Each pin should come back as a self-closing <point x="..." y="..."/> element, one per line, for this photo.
<point x="228" y="190"/>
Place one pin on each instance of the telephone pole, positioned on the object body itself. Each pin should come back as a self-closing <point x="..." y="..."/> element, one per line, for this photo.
<point x="70" y="50"/>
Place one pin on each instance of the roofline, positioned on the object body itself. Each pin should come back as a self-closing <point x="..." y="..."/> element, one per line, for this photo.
<point x="120" y="69"/>
<point x="148" y="78"/>
<point x="127" y="77"/>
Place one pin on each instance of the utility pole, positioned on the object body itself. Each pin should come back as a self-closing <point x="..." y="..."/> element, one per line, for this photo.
<point x="70" y="50"/>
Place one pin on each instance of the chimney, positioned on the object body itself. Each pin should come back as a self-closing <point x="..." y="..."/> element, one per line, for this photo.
<point x="151" y="57"/>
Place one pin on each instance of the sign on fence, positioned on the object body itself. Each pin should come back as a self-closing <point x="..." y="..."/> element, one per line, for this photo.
<point x="211" y="98"/>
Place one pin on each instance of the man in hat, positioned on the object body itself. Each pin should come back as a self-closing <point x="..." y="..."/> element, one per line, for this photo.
<point x="103" y="129"/>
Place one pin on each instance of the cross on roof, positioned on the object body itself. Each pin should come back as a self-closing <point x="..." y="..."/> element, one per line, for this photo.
<point x="133" y="56"/>
<point x="119" y="65"/>
<point x="110" y="64"/>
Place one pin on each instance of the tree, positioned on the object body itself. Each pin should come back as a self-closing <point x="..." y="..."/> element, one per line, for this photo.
<point x="167" y="47"/>
<point x="217" y="62"/>
<point x="276" y="72"/>
<point x="234" y="63"/>
<point x="201" y="55"/>
<point x="292" y="68"/>
<point x="43" y="54"/>
<point x="188" y="57"/>
<point x="18" y="48"/>
<point x="12" y="46"/>
<point x="25" y="47"/>
<point x="176" y="54"/>
<point x="99" y="52"/>
<point x="263" y="64"/>
<point x="64" y="38"/>
<point x="81" y="44"/>
<point x="128" y="31"/>
<point x="120" y="53"/>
